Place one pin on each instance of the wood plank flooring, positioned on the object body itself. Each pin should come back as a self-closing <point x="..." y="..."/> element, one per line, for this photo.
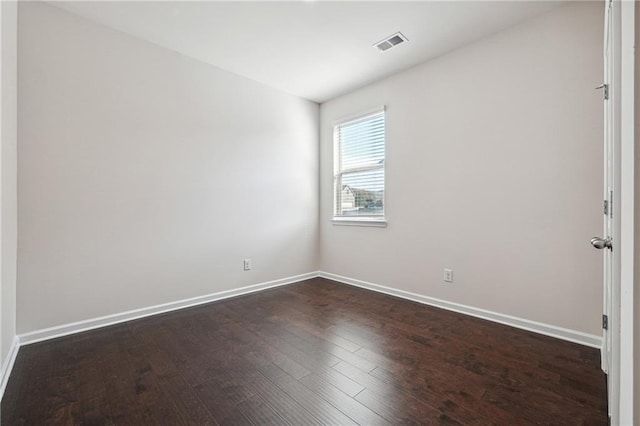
<point x="312" y="353"/>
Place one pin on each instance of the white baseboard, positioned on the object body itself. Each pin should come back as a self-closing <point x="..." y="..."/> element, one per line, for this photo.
<point x="7" y="366"/>
<point x="525" y="324"/>
<point x="536" y="327"/>
<point x="90" y="324"/>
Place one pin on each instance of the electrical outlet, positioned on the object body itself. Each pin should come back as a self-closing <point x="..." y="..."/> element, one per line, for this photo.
<point x="247" y="264"/>
<point x="448" y="275"/>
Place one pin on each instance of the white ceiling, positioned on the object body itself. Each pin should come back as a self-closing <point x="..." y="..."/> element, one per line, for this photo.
<point x="313" y="49"/>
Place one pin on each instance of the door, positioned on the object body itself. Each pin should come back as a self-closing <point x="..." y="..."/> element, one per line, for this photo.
<point x="609" y="242"/>
<point x="605" y="243"/>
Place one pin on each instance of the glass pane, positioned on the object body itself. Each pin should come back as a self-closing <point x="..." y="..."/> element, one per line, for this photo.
<point x="362" y="193"/>
<point x="362" y="143"/>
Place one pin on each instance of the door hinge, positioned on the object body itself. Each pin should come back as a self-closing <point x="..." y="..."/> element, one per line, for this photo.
<point x="605" y="92"/>
<point x="605" y="322"/>
<point x="606" y="207"/>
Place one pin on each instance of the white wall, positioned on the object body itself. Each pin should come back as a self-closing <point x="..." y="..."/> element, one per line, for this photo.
<point x="146" y="177"/>
<point x="494" y="156"/>
<point x="8" y="203"/>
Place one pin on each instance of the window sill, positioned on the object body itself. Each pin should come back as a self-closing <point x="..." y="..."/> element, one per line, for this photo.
<point x="379" y="223"/>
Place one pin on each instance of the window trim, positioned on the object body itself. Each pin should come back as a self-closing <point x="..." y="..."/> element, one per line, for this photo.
<point x="368" y="221"/>
<point x="361" y="221"/>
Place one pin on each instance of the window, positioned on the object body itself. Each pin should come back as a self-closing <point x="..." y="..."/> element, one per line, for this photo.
<point x="359" y="155"/>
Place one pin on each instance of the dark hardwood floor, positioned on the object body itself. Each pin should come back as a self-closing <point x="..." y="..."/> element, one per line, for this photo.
<point x="317" y="352"/>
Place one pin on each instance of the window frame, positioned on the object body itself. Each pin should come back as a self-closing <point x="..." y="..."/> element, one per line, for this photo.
<point x="338" y="172"/>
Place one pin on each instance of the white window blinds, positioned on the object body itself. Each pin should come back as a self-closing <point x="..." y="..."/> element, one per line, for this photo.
<point x="359" y="167"/>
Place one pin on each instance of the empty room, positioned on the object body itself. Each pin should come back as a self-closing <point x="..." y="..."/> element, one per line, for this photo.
<point x="318" y="212"/>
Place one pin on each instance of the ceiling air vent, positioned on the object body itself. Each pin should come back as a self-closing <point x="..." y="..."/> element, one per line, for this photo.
<point x="389" y="42"/>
